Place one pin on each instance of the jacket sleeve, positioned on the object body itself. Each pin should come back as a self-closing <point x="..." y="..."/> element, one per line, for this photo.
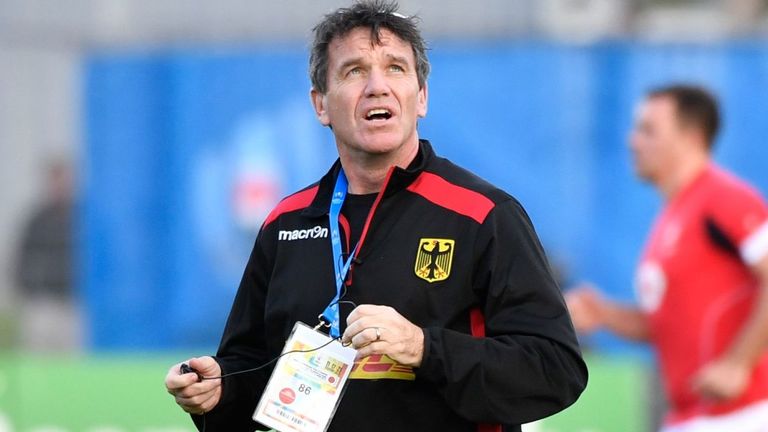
<point x="528" y="365"/>
<point x="243" y="346"/>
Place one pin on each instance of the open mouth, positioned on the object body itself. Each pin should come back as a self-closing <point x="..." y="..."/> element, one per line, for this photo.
<point x="378" y="114"/>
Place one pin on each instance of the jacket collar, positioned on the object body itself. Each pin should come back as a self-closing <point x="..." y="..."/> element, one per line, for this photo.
<point x="400" y="179"/>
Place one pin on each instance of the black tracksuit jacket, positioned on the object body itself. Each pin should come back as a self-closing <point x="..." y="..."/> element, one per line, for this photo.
<point x="499" y="347"/>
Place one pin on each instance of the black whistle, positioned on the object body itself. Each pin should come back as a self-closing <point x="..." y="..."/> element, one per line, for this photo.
<point x="185" y="369"/>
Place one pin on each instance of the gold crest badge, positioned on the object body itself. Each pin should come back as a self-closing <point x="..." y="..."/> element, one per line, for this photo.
<point x="433" y="259"/>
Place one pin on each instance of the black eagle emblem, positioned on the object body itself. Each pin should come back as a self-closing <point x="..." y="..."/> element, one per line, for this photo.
<point x="433" y="259"/>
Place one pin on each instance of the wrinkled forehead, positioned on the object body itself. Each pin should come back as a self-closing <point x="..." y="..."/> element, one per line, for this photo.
<point x="362" y="40"/>
<point x="657" y="108"/>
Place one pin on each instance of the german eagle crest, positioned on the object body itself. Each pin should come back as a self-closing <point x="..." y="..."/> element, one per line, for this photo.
<point x="433" y="259"/>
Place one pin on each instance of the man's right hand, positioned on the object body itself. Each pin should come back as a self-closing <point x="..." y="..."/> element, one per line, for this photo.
<point x="585" y="305"/>
<point x="192" y="396"/>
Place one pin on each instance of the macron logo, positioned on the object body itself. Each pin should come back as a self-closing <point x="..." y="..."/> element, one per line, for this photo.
<point x="311" y="233"/>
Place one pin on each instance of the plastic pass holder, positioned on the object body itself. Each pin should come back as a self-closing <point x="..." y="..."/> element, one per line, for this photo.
<point x="305" y="387"/>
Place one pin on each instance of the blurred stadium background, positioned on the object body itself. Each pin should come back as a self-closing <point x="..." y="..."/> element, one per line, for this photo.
<point x="184" y="121"/>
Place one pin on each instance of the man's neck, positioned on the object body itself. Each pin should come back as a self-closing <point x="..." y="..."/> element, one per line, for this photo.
<point x="366" y="173"/>
<point x="677" y="180"/>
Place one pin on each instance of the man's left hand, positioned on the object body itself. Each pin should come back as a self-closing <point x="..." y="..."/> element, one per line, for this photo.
<point x="375" y="329"/>
<point x="722" y="380"/>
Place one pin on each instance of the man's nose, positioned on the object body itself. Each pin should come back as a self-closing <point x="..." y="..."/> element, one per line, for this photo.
<point x="377" y="84"/>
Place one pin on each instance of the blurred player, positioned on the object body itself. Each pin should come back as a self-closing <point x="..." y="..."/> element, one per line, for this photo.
<point x="703" y="277"/>
<point x="50" y="320"/>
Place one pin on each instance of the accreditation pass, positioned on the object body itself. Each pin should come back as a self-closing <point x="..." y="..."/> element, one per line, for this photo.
<point x="305" y="387"/>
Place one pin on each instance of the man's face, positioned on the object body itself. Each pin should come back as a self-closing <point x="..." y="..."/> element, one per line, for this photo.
<point x="373" y="99"/>
<point x="656" y="138"/>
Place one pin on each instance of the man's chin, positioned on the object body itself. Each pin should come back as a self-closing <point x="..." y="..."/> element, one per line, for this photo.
<point x="380" y="146"/>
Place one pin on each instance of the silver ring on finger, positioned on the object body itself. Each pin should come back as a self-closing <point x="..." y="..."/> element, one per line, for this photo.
<point x="378" y="334"/>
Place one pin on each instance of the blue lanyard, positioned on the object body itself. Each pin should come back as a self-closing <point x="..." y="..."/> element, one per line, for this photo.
<point x="331" y="313"/>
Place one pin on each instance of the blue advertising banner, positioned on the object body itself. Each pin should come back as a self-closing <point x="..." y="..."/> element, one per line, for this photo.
<point x="188" y="150"/>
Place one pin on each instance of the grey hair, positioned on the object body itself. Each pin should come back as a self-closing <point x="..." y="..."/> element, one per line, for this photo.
<point x="372" y="14"/>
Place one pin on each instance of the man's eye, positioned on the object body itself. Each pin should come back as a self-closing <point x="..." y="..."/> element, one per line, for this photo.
<point x="354" y="71"/>
<point x="396" y="68"/>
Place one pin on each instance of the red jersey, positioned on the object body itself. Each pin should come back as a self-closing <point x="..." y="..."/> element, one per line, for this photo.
<point x="696" y="288"/>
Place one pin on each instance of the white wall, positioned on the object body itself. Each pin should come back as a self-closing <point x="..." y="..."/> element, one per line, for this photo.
<point x="39" y="120"/>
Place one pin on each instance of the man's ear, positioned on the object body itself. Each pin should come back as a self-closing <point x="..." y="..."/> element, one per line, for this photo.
<point x="700" y="139"/>
<point x="691" y="136"/>
<point x="321" y="108"/>
<point x="421" y="109"/>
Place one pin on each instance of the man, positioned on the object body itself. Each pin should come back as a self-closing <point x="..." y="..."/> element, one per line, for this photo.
<point x="457" y="322"/>
<point x="50" y="321"/>
<point x="703" y="276"/>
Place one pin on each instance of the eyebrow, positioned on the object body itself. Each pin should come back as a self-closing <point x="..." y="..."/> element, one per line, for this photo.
<point x="397" y="58"/>
<point x="350" y="62"/>
<point x="358" y="60"/>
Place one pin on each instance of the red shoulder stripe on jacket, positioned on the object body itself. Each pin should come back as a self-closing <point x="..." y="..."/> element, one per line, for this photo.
<point x="296" y="201"/>
<point x="448" y="195"/>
